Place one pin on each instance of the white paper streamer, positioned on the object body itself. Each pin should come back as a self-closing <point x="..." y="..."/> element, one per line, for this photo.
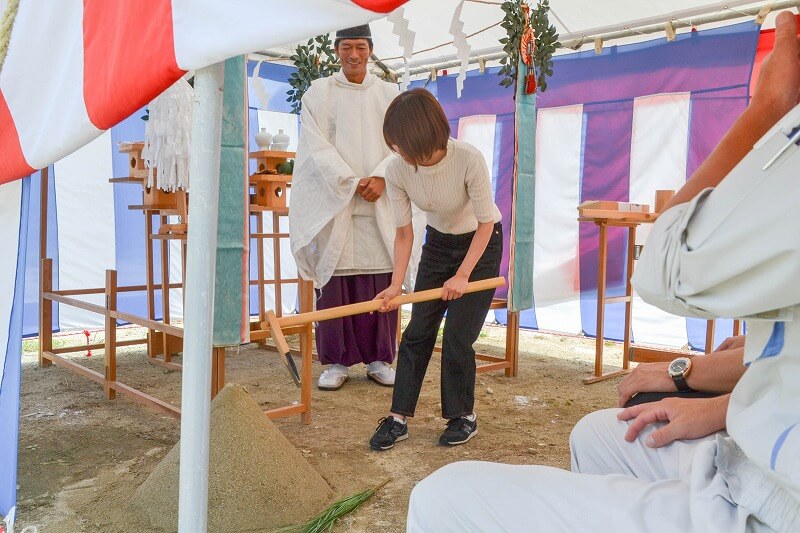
<point x="168" y="137"/>
<point x="461" y="44"/>
<point x="260" y="87"/>
<point x="407" y="37"/>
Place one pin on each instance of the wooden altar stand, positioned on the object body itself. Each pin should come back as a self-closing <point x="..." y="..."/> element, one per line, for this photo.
<point x="606" y="214"/>
<point x="269" y="198"/>
<point x="163" y="338"/>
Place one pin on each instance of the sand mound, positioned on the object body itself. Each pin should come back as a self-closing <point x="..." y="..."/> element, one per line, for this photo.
<point x="257" y="480"/>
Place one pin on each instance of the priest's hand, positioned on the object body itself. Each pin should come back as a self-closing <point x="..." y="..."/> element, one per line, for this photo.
<point x="387" y="295"/>
<point x="371" y="188"/>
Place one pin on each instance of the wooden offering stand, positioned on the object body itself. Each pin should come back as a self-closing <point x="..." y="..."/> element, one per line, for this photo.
<point x="269" y="194"/>
<point x="623" y="211"/>
<point x="607" y="214"/>
<point x="153" y="198"/>
<point x="270" y="186"/>
<point x="163" y="204"/>
<point x="620" y="214"/>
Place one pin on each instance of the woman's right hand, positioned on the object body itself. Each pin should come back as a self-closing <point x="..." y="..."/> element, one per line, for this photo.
<point x="387" y="295"/>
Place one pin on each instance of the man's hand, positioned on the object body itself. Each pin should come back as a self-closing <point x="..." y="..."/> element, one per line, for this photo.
<point x="370" y="189"/>
<point x="387" y="295"/>
<point x="731" y="343"/>
<point x="646" y="377"/>
<point x="778" y="86"/>
<point x="454" y="287"/>
<point x="687" y="418"/>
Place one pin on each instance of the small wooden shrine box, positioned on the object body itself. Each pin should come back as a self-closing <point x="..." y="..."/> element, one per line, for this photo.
<point x="268" y="160"/>
<point x="271" y="190"/>
<point x="136" y="166"/>
<point x="153" y="197"/>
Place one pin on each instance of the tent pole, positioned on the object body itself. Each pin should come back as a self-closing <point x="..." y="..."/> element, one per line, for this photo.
<point x="199" y="311"/>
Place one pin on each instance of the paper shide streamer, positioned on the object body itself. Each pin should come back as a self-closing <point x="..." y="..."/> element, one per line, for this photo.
<point x="407" y="37"/>
<point x="168" y="138"/>
<point x="461" y="44"/>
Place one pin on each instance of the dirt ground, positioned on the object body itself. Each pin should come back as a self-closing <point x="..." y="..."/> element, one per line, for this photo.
<point x="81" y="456"/>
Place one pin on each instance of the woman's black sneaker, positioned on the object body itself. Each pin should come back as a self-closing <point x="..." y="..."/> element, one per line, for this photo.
<point x="459" y="431"/>
<point x="388" y="432"/>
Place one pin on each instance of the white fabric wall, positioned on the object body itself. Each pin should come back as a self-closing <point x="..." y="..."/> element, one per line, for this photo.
<point x="479" y="131"/>
<point x="654" y="166"/>
<point x="86" y="237"/>
<point x="556" y="268"/>
<point x="175" y="276"/>
<point x="10" y="198"/>
<point x="274" y="121"/>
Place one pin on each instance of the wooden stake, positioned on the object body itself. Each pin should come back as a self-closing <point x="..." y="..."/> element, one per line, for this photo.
<point x="165" y="291"/>
<point x="260" y="267"/>
<point x="151" y="298"/>
<point x="45" y="311"/>
<point x="306" y="289"/>
<point x="276" y="264"/>
<point x="111" y="335"/>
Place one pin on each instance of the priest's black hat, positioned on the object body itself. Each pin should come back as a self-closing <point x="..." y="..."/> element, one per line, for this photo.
<point x="356" y="32"/>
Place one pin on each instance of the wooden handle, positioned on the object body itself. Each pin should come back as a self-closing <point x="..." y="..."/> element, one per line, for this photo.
<point x="374" y="305"/>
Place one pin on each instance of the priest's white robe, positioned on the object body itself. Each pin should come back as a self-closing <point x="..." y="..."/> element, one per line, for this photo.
<point x="333" y="231"/>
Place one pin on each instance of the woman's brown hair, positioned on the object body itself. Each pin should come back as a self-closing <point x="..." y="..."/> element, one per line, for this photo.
<point x="415" y="123"/>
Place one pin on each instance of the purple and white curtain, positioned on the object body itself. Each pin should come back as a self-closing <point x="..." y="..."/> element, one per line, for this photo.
<point x="615" y="126"/>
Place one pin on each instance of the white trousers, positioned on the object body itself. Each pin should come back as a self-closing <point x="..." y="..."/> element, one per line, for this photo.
<point x="615" y="486"/>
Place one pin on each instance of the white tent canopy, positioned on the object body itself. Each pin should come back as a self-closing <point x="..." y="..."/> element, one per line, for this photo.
<point x="430" y="21"/>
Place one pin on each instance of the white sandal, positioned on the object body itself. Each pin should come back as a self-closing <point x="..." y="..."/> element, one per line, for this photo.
<point x="381" y="373"/>
<point x="332" y="378"/>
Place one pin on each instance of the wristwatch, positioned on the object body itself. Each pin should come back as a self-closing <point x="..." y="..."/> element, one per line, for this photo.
<point x="678" y="370"/>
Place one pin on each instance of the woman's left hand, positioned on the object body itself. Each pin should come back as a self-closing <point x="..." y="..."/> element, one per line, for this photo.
<point x="454" y="287"/>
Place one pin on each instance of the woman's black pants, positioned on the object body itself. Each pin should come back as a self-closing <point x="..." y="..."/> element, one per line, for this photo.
<point x="442" y="255"/>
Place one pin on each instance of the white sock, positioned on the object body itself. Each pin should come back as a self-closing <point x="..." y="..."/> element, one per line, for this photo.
<point x="471" y="417"/>
<point x="402" y="421"/>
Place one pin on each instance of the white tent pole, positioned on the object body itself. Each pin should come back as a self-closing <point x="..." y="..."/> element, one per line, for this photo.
<point x="199" y="306"/>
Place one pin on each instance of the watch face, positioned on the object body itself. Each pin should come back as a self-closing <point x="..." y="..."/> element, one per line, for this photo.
<point x="678" y="366"/>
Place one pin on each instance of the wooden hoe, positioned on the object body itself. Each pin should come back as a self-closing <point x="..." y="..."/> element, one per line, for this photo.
<point x="274" y="324"/>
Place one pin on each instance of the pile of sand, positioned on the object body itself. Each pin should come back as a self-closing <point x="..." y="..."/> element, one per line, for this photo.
<point x="257" y="479"/>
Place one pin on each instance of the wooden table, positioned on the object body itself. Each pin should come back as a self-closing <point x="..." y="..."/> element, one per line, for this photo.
<point x="640" y="354"/>
<point x="603" y="224"/>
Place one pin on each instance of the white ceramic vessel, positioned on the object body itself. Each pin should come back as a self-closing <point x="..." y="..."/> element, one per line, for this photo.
<point x="280" y="142"/>
<point x="263" y="139"/>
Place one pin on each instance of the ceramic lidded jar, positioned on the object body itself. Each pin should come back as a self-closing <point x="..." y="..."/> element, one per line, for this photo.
<point x="263" y="139"/>
<point x="280" y="141"/>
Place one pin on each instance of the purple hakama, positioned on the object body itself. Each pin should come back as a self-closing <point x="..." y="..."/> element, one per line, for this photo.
<point x="360" y="338"/>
